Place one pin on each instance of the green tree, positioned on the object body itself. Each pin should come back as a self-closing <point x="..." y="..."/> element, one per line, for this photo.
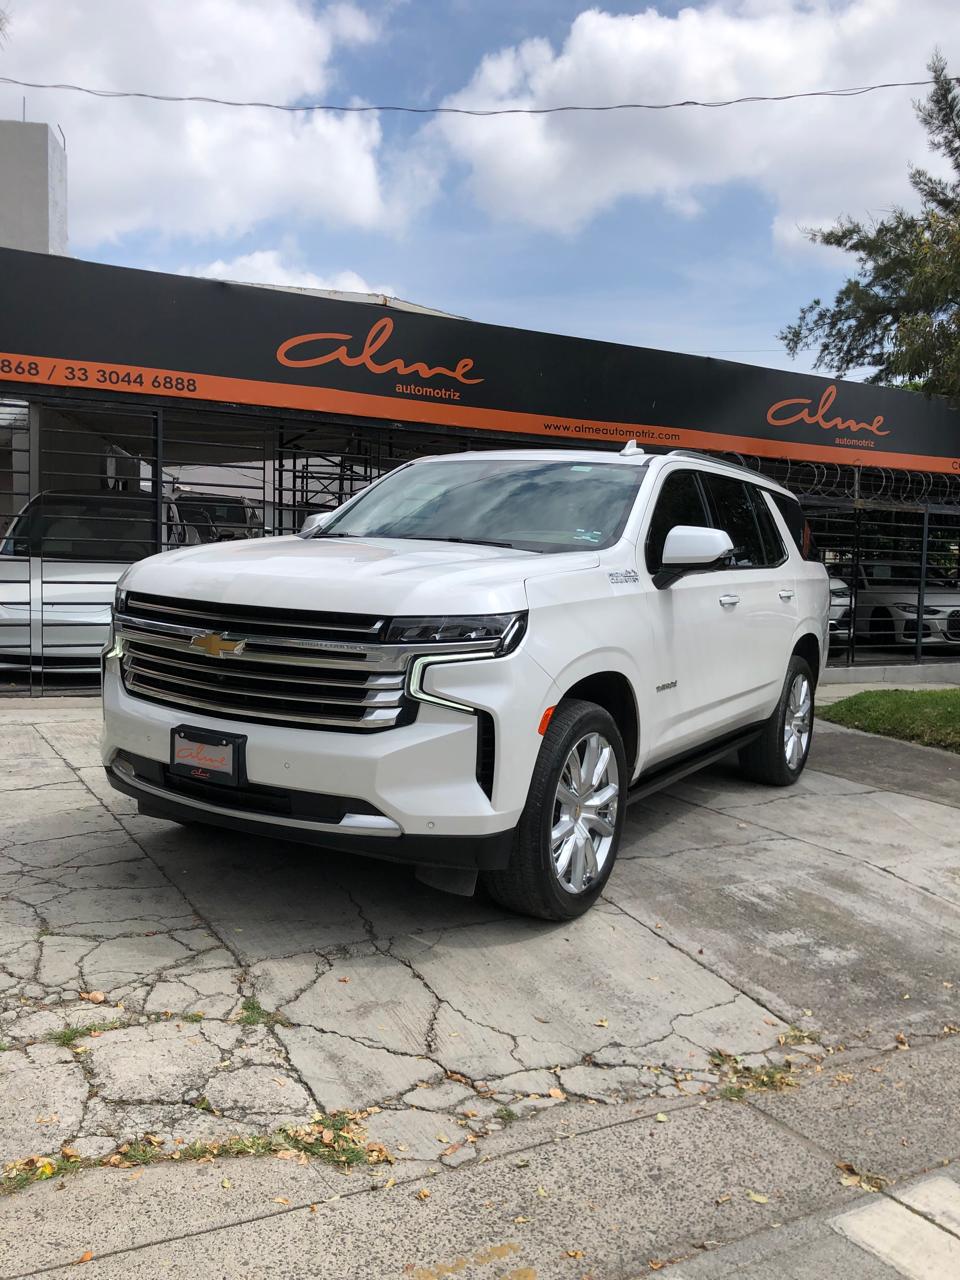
<point x="899" y="315"/>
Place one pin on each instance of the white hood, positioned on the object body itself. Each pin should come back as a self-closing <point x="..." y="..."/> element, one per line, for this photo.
<point x="353" y="575"/>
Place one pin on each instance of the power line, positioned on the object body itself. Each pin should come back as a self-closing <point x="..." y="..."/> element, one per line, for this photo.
<point x="854" y="92"/>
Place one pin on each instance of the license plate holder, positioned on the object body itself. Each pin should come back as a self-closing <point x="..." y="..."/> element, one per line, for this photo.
<point x="204" y="755"/>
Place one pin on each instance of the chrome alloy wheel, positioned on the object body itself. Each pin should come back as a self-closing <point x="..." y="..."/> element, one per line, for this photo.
<point x="585" y="813"/>
<point x="796" y="722"/>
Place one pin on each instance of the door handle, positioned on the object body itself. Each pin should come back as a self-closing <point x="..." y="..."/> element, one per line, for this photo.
<point x="786" y="595"/>
<point x="729" y="601"/>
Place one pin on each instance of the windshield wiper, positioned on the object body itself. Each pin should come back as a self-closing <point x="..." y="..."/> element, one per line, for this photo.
<point x="475" y="542"/>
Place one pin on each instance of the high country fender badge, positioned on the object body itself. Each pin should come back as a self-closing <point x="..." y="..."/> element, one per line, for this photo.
<point x="624" y="577"/>
<point x="670" y="684"/>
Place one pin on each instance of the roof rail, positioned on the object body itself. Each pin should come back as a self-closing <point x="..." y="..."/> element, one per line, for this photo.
<point x="756" y="476"/>
<point x="698" y="453"/>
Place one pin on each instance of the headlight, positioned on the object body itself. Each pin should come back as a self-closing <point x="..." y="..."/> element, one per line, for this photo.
<point x="840" y="593"/>
<point x="499" y="632"/>
<point x="906" y="608"/>
<point x="119" y="601"/>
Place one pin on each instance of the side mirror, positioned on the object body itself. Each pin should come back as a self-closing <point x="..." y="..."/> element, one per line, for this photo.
<point x="688" y="548"/>
<point x="316" y="520"/>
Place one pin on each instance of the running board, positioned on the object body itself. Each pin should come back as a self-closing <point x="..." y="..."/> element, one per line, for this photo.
<point x="671" y="771"/>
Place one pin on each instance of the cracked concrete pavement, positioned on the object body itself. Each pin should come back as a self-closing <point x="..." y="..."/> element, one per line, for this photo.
<point x="246" y="986"/>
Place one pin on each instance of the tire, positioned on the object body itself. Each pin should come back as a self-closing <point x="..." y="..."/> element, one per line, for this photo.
<point x="883" y="630"/>
<point x="778" y="756"/>
<point x="535" y="883"/>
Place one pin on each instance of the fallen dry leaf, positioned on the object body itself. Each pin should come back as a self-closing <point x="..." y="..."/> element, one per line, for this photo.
<point x="661" y="1116"/>
<point x="226" y="1184"/>
<point x="86" y="1257"/>
<point x="423" y="1194"/>
<point x="601" y="1022"/>
<point x="69" y="1153"/>
<point x="280" y="1200"/>
<point x="521" y="1219"/>
<point x="95" y="997"/>
<point x="574" y="1253"/>
<point x="556" y="1093"/>
<point x="757" y="1198"/>
<point x="343" y="979"/>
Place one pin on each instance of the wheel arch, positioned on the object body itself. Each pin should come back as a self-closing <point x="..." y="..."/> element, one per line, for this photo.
<point x="808" y="648"/>
<point x="613" y="691"/>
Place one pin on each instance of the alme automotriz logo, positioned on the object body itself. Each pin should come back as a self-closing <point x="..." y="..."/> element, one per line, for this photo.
<point x="310" y="350"/>
<point x="785" y="413"/>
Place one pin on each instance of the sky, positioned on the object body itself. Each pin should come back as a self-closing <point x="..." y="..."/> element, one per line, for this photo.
<point x="676" y="229"/>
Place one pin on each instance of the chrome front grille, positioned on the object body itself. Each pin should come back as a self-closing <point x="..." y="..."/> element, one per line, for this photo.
<point x="295" y="667"/>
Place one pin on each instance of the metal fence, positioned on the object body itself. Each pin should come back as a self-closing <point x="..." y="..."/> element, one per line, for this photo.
<point x="86" y="488"/>
<point x="89" y="488"/>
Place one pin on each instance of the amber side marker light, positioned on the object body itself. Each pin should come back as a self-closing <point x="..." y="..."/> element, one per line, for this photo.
<point x="545" y="720"/>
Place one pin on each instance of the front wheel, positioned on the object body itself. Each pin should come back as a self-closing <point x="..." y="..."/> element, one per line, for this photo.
<point x="778" y="755"/>
<point x="570" y="828"/>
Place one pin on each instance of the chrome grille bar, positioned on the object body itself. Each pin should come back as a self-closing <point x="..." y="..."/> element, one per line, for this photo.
<point x="377" y="697"/>
<point x="217" y="617"/>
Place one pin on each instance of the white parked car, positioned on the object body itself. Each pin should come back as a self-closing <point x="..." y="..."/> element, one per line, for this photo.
<point x="888" y="605"/>
<point x="474" y="664"/>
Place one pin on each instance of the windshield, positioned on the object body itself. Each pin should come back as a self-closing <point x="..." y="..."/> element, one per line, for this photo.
<point x="530" y="505"/>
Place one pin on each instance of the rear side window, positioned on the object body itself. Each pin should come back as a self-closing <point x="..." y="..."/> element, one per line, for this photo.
<point x="797" y="525"/>
<point x="680" y="501"/>
<point x="775" y="551"/>
<point x="734" y="513"/>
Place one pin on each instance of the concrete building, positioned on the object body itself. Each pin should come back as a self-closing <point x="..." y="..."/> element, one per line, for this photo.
<point x="33" y="188"/>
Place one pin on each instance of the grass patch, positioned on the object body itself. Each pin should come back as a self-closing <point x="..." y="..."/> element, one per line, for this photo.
<point x="797" y="1035"/>
<point x="337" y="1139"/>
<point x="737" y="1080"/>
<point x="928" y="716"/>
<point x="506" y="1114"/>
<point x="253" y="1014"/>
<point x="193" y="1017"/>
<point x="66" y="1037"/>
<point x="21" y="1173"/>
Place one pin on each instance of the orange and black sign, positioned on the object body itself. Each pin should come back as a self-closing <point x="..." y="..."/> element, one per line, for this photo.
<point x="110" y="331"/>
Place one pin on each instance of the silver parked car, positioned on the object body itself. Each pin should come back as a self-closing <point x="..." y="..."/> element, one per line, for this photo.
<point x="841" y="602"/>
<point x="84" y="541"/>
<point x="888" y="606"/>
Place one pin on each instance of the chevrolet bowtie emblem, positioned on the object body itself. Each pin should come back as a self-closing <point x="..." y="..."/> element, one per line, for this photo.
<point x="215" y="646"/>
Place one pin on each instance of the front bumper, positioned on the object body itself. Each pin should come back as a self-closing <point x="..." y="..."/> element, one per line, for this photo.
<point x="411" y="793"/>
<point x="354" y="833"/>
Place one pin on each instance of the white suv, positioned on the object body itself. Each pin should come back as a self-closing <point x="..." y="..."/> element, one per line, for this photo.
<point x="474" y="664"/>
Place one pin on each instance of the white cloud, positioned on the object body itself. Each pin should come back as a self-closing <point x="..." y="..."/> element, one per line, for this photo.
<point x="811" y="160"/>
<point x="197" y="170"/>
<point x="269" y="266"/>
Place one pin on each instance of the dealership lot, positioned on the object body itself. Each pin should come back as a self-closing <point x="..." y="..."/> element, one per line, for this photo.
<point x="521" y="1070"/>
